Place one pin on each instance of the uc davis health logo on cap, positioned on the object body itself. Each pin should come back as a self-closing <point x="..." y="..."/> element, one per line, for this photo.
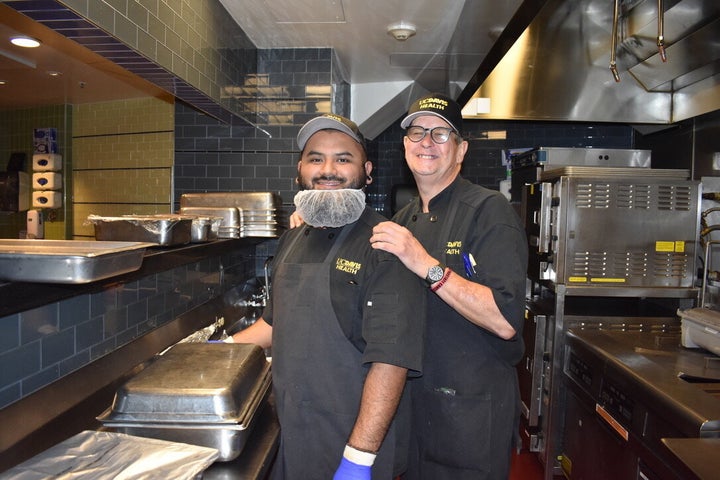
<point x="432" y="103"/>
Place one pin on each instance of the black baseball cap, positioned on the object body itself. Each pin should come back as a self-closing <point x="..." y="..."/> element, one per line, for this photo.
<point x="439" y="105"/>
<point x="329" y="121"/>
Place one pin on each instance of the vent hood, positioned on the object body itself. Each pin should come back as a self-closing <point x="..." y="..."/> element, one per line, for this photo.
<point x="558" y="68"/>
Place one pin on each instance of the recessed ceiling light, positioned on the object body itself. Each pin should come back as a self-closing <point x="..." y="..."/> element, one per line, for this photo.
<point x="27" y="42"/>
<point x="401" y="31"/>
<point x="53" y="73"/>
<point x="3" y="82"/>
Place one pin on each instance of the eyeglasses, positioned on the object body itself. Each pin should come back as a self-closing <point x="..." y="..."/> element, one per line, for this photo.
<point x="438" y="134"/>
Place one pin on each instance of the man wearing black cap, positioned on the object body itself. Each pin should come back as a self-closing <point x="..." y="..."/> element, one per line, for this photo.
<point x="468" y="244"/>
<point x="344" y="322"/>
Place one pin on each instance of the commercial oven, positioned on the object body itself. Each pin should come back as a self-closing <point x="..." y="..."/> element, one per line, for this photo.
<point x="605" y="244"/>
<point x="613" y="227"/>
<point x="527" y="165"/>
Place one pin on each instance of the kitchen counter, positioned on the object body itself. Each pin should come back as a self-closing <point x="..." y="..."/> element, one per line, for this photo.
<point x="661" y="398"/>
<point x="675" y="380"/>
<point x="699" y="458"/>
<point x="20" y="296"/>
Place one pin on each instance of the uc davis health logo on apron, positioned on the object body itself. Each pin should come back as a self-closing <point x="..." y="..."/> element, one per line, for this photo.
<point x="453" y="247"/>
<point x="347" y="266"/>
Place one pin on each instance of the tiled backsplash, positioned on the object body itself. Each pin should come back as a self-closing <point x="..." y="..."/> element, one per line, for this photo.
<point x="42" y="345"/>
<point x="214" y="156"/>
<point x="193" y="49"/>
<point x="122" y="159"/>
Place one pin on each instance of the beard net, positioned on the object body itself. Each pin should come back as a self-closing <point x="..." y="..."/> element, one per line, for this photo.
<point x="330" y="208"/>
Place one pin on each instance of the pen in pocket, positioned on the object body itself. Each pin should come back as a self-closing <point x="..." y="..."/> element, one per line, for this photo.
<point x="469" y="262"/>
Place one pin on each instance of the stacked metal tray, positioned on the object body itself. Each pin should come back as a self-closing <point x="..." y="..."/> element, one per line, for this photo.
<point x="206" y="394"/>
<point x="245" y="214"/>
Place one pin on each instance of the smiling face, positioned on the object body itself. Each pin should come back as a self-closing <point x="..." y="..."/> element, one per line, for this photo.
<point x="434" y="163"/>
<point x="332" y="160"/>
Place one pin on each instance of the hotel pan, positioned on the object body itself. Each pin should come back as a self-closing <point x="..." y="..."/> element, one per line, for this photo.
<point x="206" y="394"/>
<point x="67" y="261"/>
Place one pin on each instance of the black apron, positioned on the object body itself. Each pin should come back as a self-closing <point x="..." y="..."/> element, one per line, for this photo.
<point x="459" y="400"/>
<point x="318" y="374"/>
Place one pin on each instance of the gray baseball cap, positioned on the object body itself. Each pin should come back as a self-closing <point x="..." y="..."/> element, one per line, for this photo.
<point x="329" y="121"/>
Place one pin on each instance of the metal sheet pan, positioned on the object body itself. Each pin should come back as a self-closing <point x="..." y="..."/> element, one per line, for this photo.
<point x="67" y="261"/>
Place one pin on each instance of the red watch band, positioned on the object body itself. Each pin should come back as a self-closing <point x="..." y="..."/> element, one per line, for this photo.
<point x="442" y="281"/>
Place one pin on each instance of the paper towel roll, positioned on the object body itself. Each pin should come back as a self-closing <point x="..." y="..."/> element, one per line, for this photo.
<point x="47" y="162"/>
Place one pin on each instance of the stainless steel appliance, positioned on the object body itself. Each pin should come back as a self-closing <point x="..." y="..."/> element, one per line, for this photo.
<point x="614" y="227"/>
<point x="629" y="390"/>
<point x="527" y="166"/>
<point x="605" y="243"/>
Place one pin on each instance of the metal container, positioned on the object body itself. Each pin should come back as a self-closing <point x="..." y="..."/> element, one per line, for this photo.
<point x="243" y="200"/>
<point x="230" y="217"/>
<point x="164" y="230"/>
<point x="67" y="261"/>
<point x="258" y="213"/>
<point x="700" y="329"/>
<point x="206" y="394"/>
<point x="204" y="228"/>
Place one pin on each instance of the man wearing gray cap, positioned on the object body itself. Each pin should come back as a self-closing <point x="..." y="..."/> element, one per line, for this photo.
<point x="344" y="322"/>
<point x="469" y="245"/>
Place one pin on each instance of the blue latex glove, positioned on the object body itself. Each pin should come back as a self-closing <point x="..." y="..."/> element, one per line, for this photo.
<point x="352" y="471"/>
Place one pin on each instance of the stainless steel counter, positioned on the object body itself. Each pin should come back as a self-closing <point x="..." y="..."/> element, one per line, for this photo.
<point x="655" y="402"/>
<point x="699" y="458"/>
<point x="678" y="382"/>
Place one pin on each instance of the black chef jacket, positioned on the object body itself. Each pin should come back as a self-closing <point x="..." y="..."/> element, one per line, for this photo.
<point x="393" y="334"/>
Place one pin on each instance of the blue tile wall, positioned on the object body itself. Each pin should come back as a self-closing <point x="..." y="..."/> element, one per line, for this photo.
<point x="214" y="156"/>
<point x="483" y="162"/>
<point x="42" y="345"/>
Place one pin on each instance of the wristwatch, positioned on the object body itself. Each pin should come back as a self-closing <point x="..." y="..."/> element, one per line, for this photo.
<point x="435" y="274"/>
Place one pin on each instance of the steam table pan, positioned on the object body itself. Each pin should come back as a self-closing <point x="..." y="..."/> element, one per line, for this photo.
<point x="243" y="200"/>
<point x="67" y="261"/>
<point x="206" y="394"/>
<point x="163" y="230"/>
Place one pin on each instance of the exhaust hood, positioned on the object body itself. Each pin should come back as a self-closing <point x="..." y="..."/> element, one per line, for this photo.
<point x="558" y="68"/>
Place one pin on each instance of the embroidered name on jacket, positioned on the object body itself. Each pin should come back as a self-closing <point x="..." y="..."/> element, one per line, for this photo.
<point x="453" y="248"/>
<point x="347" y="266"/>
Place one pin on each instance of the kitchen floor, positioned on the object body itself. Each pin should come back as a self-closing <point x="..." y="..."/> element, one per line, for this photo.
<point x="526" y="466"/>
